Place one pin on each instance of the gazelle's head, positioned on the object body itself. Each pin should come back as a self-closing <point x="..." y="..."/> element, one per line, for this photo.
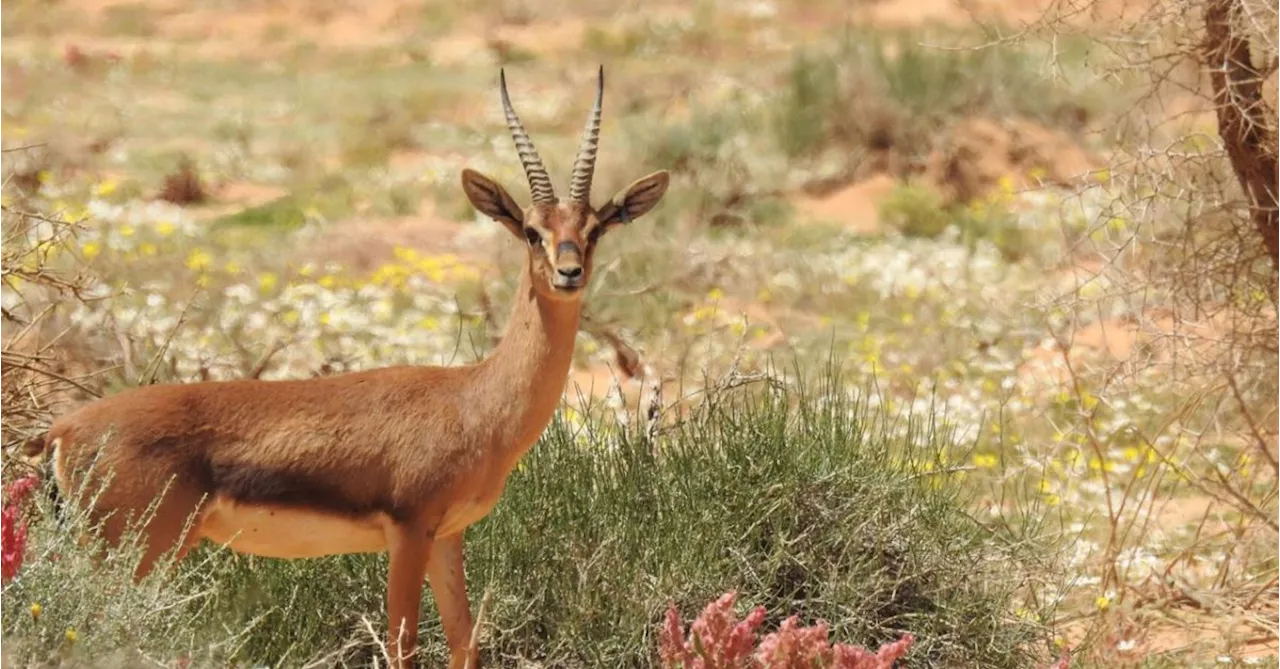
<point x="560" y="236"/>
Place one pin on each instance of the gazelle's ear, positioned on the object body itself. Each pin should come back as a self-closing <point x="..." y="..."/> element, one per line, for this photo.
<point x="493" y="201"/>
<point x="634" y="201"/>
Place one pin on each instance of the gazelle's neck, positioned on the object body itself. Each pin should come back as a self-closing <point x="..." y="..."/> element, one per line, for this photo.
<point x="524" y="377"/>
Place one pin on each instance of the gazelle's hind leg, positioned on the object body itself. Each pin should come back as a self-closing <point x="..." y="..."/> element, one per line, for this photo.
<point x="171" y="526"/>
<point x="449" y="586"/>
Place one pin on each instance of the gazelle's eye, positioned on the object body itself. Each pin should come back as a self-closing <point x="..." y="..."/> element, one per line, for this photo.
<point x="594" y="235"/>
<point x="532" y="235"/>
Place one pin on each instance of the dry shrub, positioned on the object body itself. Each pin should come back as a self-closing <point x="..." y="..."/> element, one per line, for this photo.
<point x="183" y="186"/>
<point x="45" y="367"/>
<point x="1182" y="247"/>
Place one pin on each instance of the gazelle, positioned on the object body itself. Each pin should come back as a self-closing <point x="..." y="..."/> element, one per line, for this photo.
<point x="401" y="459"/>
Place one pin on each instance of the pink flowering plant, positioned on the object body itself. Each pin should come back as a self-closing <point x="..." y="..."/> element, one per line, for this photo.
<point x="13" y="530"/>
<point x="718" y="640"/>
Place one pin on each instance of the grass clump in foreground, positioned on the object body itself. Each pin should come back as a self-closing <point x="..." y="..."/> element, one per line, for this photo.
<point x="803" y="500"/>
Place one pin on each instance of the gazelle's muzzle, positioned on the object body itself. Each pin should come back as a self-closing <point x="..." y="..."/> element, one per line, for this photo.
<point x="568" y="266"/>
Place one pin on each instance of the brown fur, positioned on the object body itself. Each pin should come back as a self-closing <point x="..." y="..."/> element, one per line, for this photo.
<point x="401" y="459"/>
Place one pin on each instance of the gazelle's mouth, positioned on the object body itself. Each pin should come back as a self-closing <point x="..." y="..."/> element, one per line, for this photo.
<point x="567" y="287"/>
<point x="566" y="283"/>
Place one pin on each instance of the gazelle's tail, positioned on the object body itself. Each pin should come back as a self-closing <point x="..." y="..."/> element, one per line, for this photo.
<point x="36" y="446"/>
<point x="37" y="450"/>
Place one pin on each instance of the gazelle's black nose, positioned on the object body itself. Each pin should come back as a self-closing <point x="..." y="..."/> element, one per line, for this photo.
<point x="568" y="263"/>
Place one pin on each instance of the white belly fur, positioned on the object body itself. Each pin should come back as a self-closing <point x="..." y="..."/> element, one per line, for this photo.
<point x="280" y="532"/>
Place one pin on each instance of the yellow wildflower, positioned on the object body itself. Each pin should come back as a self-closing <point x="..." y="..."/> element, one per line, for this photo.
<point x="74" y="214"/>
<point x="702" y="313"/>
<point x="36" y="610"/>
<point x="107" y="187"/>
<point x="72" y="636"/>
<point x="126" y="230"/>
<point x="389" y="274"/>
<point x="1097" y="464"/>
<point x="715" y="294"/>
<point x="985" y="460"/>
<point x="267" y="281"/>
<point x="90" y="250"/>
<point x="165" y="228"/>
<point x="199" y="260"/>
<point x="148" y="249"/>
<point x="1103" y="602"/>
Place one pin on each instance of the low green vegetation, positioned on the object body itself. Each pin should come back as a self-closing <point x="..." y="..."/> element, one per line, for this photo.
<point x="804" y="500"/>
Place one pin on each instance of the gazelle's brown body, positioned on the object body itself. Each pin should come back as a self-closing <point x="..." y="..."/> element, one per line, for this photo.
<point x="400" y="459"/>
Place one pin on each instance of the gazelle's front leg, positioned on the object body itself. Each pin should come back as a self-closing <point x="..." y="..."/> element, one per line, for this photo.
<point x="449" y="585"/>
<point x="410" y="549"/>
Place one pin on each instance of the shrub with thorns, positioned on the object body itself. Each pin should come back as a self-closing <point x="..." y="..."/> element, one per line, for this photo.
<point x="1180" y="249"/>
<point x="43" y="369"/>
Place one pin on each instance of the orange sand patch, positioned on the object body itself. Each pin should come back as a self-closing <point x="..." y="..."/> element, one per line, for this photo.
<point x="855" y="207"/>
